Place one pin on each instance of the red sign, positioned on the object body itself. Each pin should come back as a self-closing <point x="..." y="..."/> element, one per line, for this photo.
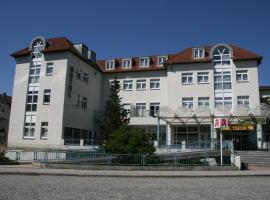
<point x="221" y="122"/>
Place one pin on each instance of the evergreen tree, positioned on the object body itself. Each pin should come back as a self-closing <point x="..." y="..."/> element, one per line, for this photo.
<point x="113" y="115"/>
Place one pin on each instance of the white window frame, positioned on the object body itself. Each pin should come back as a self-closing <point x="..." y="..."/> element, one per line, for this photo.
<point x="127" y="85"/>
<point x="203" y="102"/>
<point x="47" y="92"/>
<point x="127" y="63"/>
<point x="141" y="84"/>
<point x="30" y="123"/>
<point x="44" y="130"/>
<point x="187" y="102"/>
<point x="85" y="78"/>
<point x="50" y="67"/>
<point x="242" y="74"/>
<point x="34" y="74"/>
<point x="110" y="64"/>
<point x="222" y="80"/>
<point x="142" y="111"/>
<point x="33" y="95"/>
<point x="204" y="76"/>
<point x="198" y="53"/>
<point x="84" y="103"/>
<point x="161" y="60"/>
<point x="224" y="58"/>
<point x="156" y="107"/>
<point x="144" y="62"/>
<point x="187" y="76"/>
<point x="155" y="84"/>
<point x="243" y="101"/>
<point x="223" y="100"/>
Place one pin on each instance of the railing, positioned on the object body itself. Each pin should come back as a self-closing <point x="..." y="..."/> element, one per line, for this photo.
<point x="206" y="158"/>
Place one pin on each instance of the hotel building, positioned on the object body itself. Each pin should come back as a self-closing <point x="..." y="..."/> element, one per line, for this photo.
<point x="60" y="91"/>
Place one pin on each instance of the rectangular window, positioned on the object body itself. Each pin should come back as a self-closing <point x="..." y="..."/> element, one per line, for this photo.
<point x="197" y="53"/>
<point x="223" y="80"/>
<point x="187" y="102"/>
<point x="110" y="64"/>
<point x="203" y="102"/>
<point x="241" y="75"/>
<point x="127" y="84"/>
<point x="34" y="74"/>
<point x="84" y="103"/>
<point x="126" y="63"/>
<point x="223" y="102"/>
<point x="85" y="78"/>
<point x="29" y="126"/>
<point x="70" y="81"/>
<point x="44" y="130"/>
<point x="161" y="60"/>
<point x="154" y="108"/>
<point x="243" y="101"/>
<point x="78" y="100"/>
<point x="187" y="78"/>
<point x="203" y="77"/>
<point x="144" y="62"/>
<point x="140" y="109"/>
<point x="154" y="84"/>
<point x="47" y="96"/>
<point x="78" y="74"/>
<point x="49" y="69"/>
<point x="141" y="85"/>
<point x="32" y="99"/>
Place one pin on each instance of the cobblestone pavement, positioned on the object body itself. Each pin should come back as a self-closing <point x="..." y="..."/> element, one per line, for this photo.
<point x="15" y="187"/>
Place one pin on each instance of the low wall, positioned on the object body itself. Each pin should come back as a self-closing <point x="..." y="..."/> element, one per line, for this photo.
<point x="129" y="168"/>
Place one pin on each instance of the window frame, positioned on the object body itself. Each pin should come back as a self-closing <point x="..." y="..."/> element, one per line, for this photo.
<point x="163" y="58"/>
<point x="47" y="93"/>
<point x="84" y="103"/>
<point x="156" y="106"/>
<point x="142" y="112"/>
<point x="203" y="75"/>
<point x="204" y="101"/>
<point x="141" y="83"/>
<point x="85" y="78"/>
<point x="42" y="127"/>
<point x="155" y="81"/>
<point x="242" y="74"/>
<point x="146" y="64"/>
<point x="128" y="83"/>
<point x="187" y="75"/>
<point x="188" y="102"/>
<point x="110" y="65"/>
<point x="126" y="60"/>
<point x="49" y="65"/>
<point x="242" y="104"/>
<point x="198" y="53"/>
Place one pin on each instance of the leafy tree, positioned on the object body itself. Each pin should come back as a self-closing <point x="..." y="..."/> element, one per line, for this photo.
<point x="129" y="140"/>
<point x="113" y="115"/>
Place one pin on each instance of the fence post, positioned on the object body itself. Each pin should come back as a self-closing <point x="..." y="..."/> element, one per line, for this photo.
<point x="17" y="156"/>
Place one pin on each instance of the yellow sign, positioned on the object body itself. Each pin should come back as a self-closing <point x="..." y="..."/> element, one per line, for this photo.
<point x="239" y="128"/>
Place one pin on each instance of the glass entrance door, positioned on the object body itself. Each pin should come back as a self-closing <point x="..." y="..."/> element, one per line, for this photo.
<point x="242" y="140"/>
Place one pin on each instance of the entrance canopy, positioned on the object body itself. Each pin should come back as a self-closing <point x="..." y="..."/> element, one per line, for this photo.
<point x="203" y="115"/>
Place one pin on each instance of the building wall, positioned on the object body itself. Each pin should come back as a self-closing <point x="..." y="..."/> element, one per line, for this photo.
<point x="75" y="116"/>
<point x="53" y="113"/>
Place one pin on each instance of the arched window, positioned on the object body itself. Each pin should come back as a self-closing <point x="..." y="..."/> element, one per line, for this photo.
<point x="221" y="55"/>
<point x="38" y="46"/>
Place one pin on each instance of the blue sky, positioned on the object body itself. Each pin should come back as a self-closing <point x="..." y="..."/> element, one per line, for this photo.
<point x="116" y="28"/>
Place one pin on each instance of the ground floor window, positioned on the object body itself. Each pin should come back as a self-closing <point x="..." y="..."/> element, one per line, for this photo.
<point x="191" y="133"/>
<point x="73" y="136"/>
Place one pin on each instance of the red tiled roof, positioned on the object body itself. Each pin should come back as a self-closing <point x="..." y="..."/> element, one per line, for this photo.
<point x="135" y="64"/>
<point x="56" y="44"/>
<point x="238" y="54"/>
<point x="63" y="44"/>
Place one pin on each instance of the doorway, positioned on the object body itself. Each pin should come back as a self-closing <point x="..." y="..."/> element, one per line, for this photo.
<point x="242" y="140"/>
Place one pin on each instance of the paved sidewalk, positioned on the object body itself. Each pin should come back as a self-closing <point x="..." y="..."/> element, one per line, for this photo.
<point x="36" y="170"/>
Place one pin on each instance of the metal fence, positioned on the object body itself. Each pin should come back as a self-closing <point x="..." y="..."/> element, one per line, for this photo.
<point x="206" y="158"/>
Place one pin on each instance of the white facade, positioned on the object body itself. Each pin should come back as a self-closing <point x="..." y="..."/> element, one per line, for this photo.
<point x="70" y="114"/>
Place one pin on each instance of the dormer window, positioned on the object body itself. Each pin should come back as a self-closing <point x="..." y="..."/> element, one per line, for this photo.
<point x="198" y="53"/>
<point x="161" y="60"/>
<point x="144" y="62"/>
<point x="110" y="64"/>
<point x="221" y="55"/>
<point x="126" y="63"/>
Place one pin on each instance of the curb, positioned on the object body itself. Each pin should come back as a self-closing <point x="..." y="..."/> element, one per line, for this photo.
<point x="131" y="176"/>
